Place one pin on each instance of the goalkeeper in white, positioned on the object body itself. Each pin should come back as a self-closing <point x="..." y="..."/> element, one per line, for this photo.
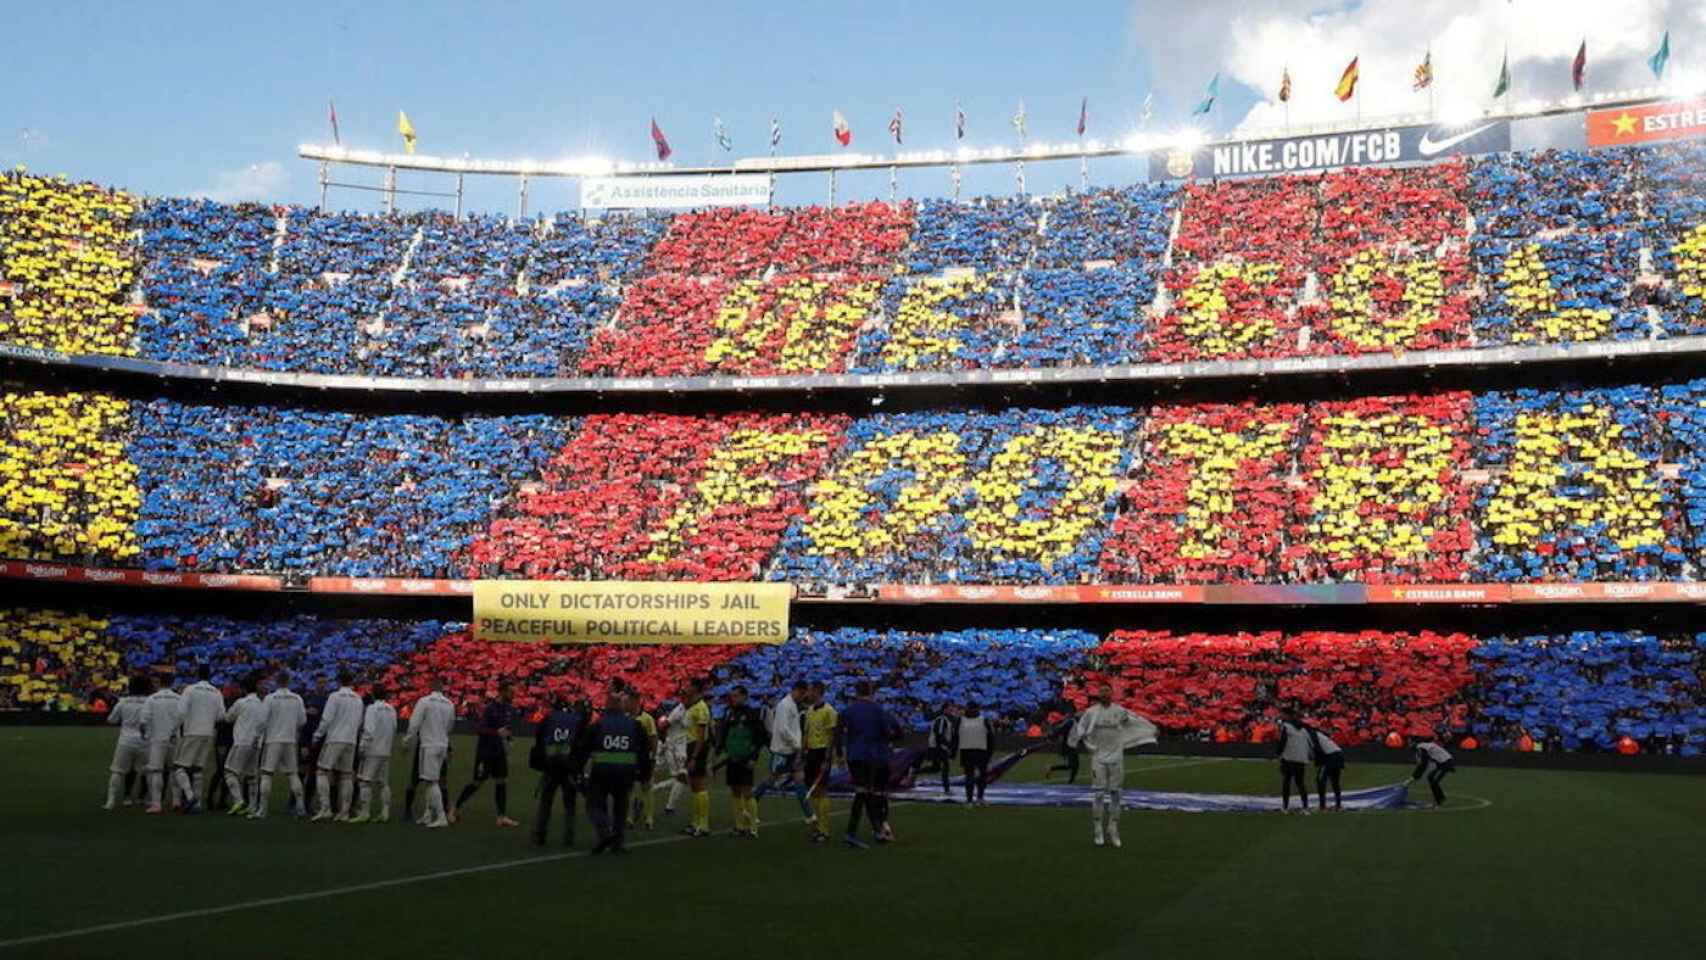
<point x="1108" y="731"/>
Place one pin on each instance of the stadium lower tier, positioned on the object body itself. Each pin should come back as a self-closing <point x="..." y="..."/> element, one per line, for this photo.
<point x="1578" y="691"/>
<point x="1595" y="485"/>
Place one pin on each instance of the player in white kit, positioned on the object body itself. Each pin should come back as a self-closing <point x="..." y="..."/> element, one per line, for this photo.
<point x="340" y="728"/>
<point x="200" y="709"/>
<point x="430" y="722"/>
<point x="285" y="716"/>
<point x="161" y="719"/>
<point x="378" y="734"/>
<point x="1108" y="730"/>
<point x="675" y="755"/>
<point x="248" y="719"/>
<point x="130" y="754"/>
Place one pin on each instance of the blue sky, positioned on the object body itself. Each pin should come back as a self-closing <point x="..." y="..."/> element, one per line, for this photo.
<point x="177" y="97"/>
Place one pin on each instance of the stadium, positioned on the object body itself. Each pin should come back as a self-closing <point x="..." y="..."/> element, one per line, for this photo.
<point x="725" y="564"/>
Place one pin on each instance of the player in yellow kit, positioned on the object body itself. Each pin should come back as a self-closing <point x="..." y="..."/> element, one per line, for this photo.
<point x="640" y="810"/>
<point x="698" y="720"/>
<point x="819" y="735"/>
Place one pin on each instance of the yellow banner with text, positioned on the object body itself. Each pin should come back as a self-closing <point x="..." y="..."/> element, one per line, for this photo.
<point x="618" y="611"/>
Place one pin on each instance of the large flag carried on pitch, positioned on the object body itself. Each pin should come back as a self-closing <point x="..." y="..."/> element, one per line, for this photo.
<point x="896" y="125"/>
<point x="843" y="133"/>
<point x="1347" y="87"/>
<point x="407" y="130"/>
<point x="1208" y="97"/>
<point x="1579" y="68"/>
<point x="1424" y="72"/>
<point x="332" y="113"/>
<point x="660" y="141"/>
<point x="1504" y="83"/>
<point x="1658" y="60"/>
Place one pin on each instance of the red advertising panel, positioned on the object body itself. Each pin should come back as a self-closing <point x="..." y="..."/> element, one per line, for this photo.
<point x="1671" y="120"/>
<point x="391" y="586"/>
<point x="64" y="573"/>
<point x="1439" y="593"/>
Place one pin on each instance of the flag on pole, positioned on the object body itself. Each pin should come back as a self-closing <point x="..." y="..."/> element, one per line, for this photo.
<point x="895" y="125"/>
<point x="1083" y="115"/>
<point x="775" y="133"/>
<point x="407" y="130"/>
<point x="959" y="121"/>
<point x="1019" y="120"/>
<point x="1579" y="68"/>
<point x="843" y="133"/>
<point x="1148" y="107"/>
<point x="1504" y="84"/>
<point x="332" y="113"/>
<point x="1424" y="72"/>
<point x="1347" y="87"/>
<point x="1658" y="60"/>
<point x="1285" y="85"/>
<point x="660" y="141"/>
<point x="721" y="134"/>
<point x="1208" y="97"/>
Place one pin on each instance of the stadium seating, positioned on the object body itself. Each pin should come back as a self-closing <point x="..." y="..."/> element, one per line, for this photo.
<point x="660" y="497"/>
<point x="51" y="660"/>
<point x="67" y="489"/>
<point x="1577" y="493"/>
<point x="263" y="488"/>
<point x="1588" y="690"/>
<point x="1012" y="673"/>
<point x="1017" y="496"/>
<point x="1580" y="691"/>
<point x="68" y="262"/>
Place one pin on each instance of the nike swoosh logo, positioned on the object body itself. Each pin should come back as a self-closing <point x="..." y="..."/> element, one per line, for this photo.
<point x="1429" y="146"/>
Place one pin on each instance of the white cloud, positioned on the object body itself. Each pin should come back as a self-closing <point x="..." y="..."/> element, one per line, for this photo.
<point x="1254" y="42"/>
<point x="257" y="181"/>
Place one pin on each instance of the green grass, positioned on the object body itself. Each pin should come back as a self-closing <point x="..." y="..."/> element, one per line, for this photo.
<point x="1523" y="864"/>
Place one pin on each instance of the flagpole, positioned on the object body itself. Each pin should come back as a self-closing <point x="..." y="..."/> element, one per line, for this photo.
<point x="892" y="179"/>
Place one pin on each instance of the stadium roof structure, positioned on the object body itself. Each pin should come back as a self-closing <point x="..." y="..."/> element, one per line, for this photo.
<point x="1137" y="143"/>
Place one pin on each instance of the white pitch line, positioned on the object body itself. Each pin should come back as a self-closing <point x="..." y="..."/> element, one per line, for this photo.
<point x="323" y="894"/>
<point x="1177" y="766"/>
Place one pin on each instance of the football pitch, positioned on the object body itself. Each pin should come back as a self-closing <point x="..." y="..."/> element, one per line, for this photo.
<point x="1521" y="863"/>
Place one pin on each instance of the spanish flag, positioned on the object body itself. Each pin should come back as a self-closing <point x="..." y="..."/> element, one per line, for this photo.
<point x="1347" y="87"/>
<point x="407" y="129"/>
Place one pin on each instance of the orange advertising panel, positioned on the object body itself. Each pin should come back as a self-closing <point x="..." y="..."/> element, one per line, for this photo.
<point x="1671" y="120"/>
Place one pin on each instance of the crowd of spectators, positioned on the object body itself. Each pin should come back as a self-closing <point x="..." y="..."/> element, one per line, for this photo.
<point x="234" y="488"/>
<point x="1581" y="691"/>
<point x="68" y="491"/>
<point x="1600" y="484"/>
<point x="1588" y="690"/>
<point x="657" y="496"/>
<point x="1012" y="496"/>
<point x="67" y="265"/>
<point x="1358" y="687"/>
<point x="1576" y="492"/>
<point x="1549" y="246"/>
<point x="1012" y="673"/>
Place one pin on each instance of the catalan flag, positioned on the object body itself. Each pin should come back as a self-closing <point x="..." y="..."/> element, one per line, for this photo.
<point x="1347" y="87"/>
<point x="407" y="130"/>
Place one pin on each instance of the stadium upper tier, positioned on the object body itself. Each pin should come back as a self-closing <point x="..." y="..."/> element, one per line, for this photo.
<point x="1601" y="484"/>
<point x="1526" y="248"/>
